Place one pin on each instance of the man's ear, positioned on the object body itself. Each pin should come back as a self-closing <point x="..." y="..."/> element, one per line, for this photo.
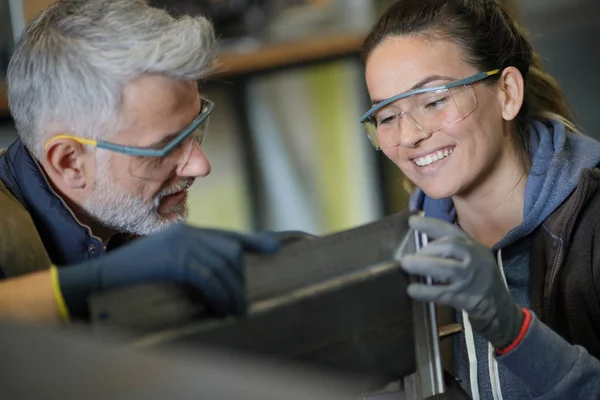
<point x="65" y="161"/>
<point x="511" y="93"/>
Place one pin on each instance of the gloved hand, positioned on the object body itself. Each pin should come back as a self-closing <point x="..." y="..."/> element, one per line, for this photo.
<point x="211" y="260"/>
<point x="469" y="280"/>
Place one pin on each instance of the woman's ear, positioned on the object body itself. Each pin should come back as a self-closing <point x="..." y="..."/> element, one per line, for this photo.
<point x="511" y="93"/>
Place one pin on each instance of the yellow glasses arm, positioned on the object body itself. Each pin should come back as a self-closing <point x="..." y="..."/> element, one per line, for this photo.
<point x="90" y="142"/>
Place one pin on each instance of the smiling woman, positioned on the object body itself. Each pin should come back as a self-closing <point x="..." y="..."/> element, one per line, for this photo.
<point x="449" y="103"/>
<point x="463" y="107"/>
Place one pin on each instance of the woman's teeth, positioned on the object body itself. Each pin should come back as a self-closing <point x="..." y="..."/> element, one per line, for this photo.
<point x="433" y="157"/>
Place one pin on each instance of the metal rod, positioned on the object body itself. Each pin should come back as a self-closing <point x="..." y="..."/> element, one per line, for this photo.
<point x="428" y="356"/>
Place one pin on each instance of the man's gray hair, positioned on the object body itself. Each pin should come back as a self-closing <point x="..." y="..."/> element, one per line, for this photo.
<point x="68" y="71"/>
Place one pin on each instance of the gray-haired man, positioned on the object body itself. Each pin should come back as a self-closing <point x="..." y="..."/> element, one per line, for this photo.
<point x="105" y="99"/>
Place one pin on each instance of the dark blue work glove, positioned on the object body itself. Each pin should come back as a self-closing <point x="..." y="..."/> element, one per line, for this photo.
<point x="208" y="259"/>
<point x="469" y="279"/>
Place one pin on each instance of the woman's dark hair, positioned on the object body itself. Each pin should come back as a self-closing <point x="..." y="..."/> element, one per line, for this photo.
<point x="490" y="39"/>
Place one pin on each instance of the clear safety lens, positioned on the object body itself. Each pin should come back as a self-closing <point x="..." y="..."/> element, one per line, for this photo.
<point x="428" y="112"/>
<point x="160" y="168"/>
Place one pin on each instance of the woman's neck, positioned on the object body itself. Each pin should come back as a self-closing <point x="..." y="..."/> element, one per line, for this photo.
<point x="494" y="207"/>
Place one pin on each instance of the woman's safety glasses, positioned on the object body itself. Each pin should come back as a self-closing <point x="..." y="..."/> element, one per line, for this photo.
<point x="429" y="109"/>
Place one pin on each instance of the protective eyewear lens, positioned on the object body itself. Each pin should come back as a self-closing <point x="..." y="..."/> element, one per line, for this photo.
<point x="428" y="112"/>
<point x="161" y="168"/>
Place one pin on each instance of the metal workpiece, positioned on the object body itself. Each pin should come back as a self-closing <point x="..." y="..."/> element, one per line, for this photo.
<point x="338" y="302"/>
<point x="48" y="362"/>
<point x="299" y="265"/>
<point x="428" y="380"/>
<point x="429" y="359"/>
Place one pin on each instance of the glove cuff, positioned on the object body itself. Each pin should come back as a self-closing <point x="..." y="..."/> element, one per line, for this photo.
<point x="75" y="283"/>
<point x="63" y="311"/>
<point x="522" y="333"/>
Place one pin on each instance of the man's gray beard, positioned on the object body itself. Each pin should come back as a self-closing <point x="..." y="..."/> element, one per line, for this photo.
<point x="112" y="207"/>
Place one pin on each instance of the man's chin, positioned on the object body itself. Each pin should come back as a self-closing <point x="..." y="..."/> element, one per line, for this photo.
<point x="174" y="215"/>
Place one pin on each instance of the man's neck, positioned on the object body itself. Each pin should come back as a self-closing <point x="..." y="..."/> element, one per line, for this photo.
<point x="81" y="216"/>
<point x="98" y="230"/>
<point x="490" y="211"/>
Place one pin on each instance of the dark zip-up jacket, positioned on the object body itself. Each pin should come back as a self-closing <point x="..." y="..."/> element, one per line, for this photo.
<point x="552" y="267"/>
<point x="565" y="266"/>
<point x="565" y="294"/>
<point x="37" y="227"/>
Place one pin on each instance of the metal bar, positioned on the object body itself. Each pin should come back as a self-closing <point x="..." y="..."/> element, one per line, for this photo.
<point x="430" y="373"/>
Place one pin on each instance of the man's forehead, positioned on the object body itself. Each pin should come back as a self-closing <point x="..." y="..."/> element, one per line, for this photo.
<point x="157" y="94"/>
<point x="154" y="110"/>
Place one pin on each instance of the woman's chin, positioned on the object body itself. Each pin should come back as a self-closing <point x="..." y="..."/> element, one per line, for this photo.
<point x="438" y="190"/>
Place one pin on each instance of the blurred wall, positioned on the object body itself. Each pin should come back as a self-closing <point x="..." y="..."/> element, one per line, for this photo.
<point x="567" y="35"/>
<point x="321" y="173"/>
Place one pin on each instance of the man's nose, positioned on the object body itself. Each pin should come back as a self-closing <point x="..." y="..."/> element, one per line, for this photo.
<point x="197" y="164"/>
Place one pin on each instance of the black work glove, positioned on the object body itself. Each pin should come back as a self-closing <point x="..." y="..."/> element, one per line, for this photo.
<point x="210" y="260"/>
<point x="469" y="279"/>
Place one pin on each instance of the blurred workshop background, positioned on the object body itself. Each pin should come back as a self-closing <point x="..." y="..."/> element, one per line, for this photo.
<point x="284" y="139"/>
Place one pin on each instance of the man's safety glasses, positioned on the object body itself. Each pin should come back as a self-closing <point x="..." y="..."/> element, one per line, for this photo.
<point x="158" y="162"/>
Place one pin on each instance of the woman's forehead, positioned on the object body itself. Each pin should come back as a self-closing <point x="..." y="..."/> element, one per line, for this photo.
<point x="401" y="62"/>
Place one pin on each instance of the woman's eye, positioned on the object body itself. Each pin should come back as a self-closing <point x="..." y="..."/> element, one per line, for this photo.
<point x="436" y="103"/>
<point x="386" y="120"/>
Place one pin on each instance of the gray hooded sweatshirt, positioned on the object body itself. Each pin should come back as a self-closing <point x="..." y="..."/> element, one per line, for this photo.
<point x="543" y="365"/>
